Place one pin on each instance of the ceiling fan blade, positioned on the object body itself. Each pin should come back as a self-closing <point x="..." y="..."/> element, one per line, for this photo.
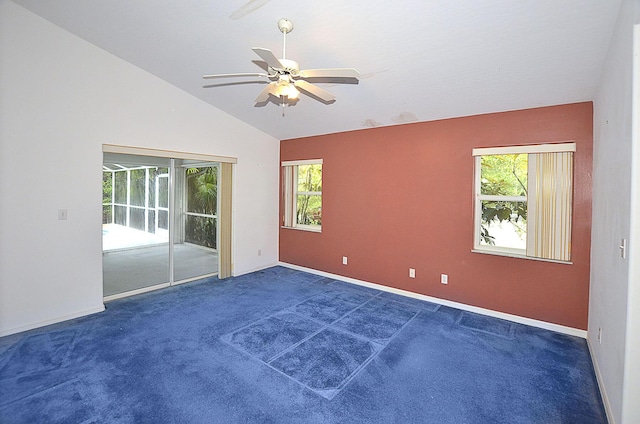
<point x="227" y="84"/>
<point x="268" y="56"/>
<point x="337" y="73"/>
<point x="262" y="64"/>
<point x="234" y="75"/>
<point x="314" y="91"/>
<point x="264" y="94"/>
<point x="247" y="8"/>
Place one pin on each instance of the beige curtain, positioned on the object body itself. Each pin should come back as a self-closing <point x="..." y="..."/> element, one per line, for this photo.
<point x="225" y="221"/>
<point x="551" y="236"/>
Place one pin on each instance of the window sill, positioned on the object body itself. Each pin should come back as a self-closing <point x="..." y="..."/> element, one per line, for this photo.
<point x="310" y="230"/>
<point x="517" y="256"/>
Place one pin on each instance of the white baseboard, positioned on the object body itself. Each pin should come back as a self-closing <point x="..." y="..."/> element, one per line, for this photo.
<point x="260" y="268"/>
<point x="603" y="392"/>
<point x="56" y="320"/>
<point x="515" y="318"/>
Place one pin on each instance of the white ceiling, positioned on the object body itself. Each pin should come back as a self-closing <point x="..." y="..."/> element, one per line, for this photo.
<point x="418" y="60"/>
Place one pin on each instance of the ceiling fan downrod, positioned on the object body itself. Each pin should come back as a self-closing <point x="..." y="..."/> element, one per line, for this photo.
<point x="285" y="26"/>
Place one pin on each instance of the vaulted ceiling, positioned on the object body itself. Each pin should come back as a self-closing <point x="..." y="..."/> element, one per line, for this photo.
<point x="418" y="60"/>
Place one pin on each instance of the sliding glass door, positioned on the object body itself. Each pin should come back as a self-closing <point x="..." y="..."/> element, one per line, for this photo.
<point x="194" y="244"/>
<point x="159" y="222"/>
<point x="135" y="223"/>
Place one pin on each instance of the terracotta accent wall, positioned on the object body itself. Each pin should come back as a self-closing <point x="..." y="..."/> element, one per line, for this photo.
<point x="401" y="197"/>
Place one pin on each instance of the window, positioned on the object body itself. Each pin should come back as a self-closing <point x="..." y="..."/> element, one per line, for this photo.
<point x="302" y="190"/>
<point x="523" y="201"/>
<point x="129" y="194"/>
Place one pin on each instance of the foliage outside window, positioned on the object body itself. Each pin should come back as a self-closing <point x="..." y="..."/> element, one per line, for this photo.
<point x="201" y="206"/>
<point x="503" y="199"/>
<point x="107" y="200"/>
<point x="303" y="194"/>
<point x="523" y="200"/>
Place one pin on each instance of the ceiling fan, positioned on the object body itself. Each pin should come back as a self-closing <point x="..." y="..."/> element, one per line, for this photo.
<point x="287" y="80"/>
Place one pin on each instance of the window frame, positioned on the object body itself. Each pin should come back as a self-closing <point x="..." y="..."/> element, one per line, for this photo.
<point x="290" y="194"/>
<point x="532" y="149"/>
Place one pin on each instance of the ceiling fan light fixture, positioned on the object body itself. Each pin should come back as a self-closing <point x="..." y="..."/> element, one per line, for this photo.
<point x="288" y="91"/>
<point x="285" y="88"/>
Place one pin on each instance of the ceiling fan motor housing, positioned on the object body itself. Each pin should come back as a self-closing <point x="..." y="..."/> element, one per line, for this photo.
<point x="290" y="67"/>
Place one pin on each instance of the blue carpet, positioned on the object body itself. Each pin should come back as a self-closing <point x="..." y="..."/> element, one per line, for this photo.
<point x="489" y="325"/>
<point x="325" y="362"/>
<point x="272" y="335"/>
<point x="37" y="353"/>
<point x="283" y="346"/>
<point x="322" y="342"/>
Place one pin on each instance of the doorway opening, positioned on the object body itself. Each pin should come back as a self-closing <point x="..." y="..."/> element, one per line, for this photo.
<point x="160" y="222"/>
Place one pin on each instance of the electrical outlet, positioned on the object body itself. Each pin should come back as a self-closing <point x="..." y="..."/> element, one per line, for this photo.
<point x="259" y="252"/>
<point x="444" y="278"/>
<point x="600" y="335"/>
<point x="62" y="214"/>
<point x="412" y="273"/>
<point x="344" y="260"/>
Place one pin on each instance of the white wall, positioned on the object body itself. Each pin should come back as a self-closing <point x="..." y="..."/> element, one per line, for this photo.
<point x="631" y="389"/>
<point x="612" y="194"/>
<point x="61" y="98"/>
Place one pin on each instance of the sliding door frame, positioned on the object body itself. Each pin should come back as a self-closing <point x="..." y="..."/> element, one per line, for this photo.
<point x="225" y="210"/>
